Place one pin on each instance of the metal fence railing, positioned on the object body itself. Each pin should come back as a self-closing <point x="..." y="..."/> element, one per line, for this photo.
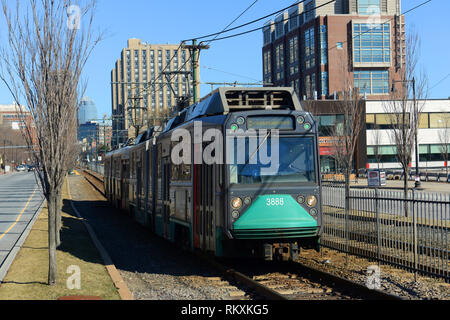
<point x="96" y="167"/>
<point x="411" y="233"/>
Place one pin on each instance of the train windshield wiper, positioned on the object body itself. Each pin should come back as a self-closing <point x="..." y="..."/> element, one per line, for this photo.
<point x="256" y="151"/>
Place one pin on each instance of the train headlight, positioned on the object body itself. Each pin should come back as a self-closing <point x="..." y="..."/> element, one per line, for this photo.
<point x="234" y="127"/>
<point x="240" y="121"/>
<point x="236" y="203"/>
<point x="247" y="201"/>
<point x="313" y="212"/>
<point x="307" y="126"/>
<point x="311" y="201"/>
<point x="301" y="120"/>
<point x="301" y="199"/>
<point x="235" y="215"/>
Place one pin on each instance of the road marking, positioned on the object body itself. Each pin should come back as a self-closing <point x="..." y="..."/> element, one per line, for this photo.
<point x="20" y="215"/>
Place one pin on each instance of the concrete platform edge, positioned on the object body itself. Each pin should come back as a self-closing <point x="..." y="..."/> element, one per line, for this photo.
<point x="120" y="284"/>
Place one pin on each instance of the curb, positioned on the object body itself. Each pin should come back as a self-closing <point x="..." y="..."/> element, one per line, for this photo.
<point x="124" y="292"/>
<point x="4" y="267"/>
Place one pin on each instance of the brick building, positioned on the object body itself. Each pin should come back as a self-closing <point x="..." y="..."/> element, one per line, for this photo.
<point x="322" y="49"/>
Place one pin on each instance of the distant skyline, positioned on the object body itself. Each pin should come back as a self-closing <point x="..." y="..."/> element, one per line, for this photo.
<point x="235" y="59"/>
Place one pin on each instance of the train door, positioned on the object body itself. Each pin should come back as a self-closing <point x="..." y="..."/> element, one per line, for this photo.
<point x="138" y="185"/>
<point x="124" y="186"/>
<point x="204" y="215"/>
<point x="196" y="206"/>
<point x="165" y="188"/>
<point x="208" y="204"/>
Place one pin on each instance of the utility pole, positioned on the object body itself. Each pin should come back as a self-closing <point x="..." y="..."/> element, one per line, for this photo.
<point x="181" y="100"/>
<point x="136" y="117"/>
<point x="195" y="49"/>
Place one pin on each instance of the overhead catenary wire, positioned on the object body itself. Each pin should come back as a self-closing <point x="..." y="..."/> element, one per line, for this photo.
<point x="230" y="73"/>
<point x="149" y="85"/>
<point x="248" y="23"/>
<point x="237" y="18"/>
<point x="439" y="82"/>
<point x="263" y="27"/>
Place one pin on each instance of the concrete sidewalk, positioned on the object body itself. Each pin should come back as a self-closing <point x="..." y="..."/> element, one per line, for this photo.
<point x="440" y="187"/>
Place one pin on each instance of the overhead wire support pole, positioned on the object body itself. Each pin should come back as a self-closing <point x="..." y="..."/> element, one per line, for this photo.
<point x="195" y="49"/>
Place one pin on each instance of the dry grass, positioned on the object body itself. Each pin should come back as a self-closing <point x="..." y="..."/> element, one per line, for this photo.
<point x="27" y="277"/>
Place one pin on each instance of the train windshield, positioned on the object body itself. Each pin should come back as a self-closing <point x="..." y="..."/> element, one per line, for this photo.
<point x="286" y="159"/>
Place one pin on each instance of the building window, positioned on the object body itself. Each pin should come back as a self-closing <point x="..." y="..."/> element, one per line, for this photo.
<point x="324" y="83"/>
<point x="339" y="45"/>
<point x="267" y="35"/>
<point x="369" y="7"/>
<point x="372" y="81"/>
<point x="386" y="154"/>
<point x="371" y="43"/>
<point x="308" y="86"/>
<point x="331" y="125"/>
<point x="309" y="49"/>
<point x="267" y="67"/>
<point x="385" y="121"/>
<point x="432" y="152"/>
<point x="293" y="21"/>
<point x="293" y="55"/>
<point x="297" y="87"/>
<point x="439" y="120"/>
<point x="279" y="28"/>
<point x="323" y="45"/>
<point x="309" y="11"/>
<point x="279" y="61"/>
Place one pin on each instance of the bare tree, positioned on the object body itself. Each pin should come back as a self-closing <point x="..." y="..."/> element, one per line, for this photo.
<point x="377" y="145"/>
<point x="444" y="140"/>
<point x="404" y="107"/>
<point x="42" y="67"/>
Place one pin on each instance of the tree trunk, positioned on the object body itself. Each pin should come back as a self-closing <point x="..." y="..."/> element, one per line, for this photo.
<point x="347" y="211"/>
<point x="58" y="221"/>
<point x="405" y="189"/>
<point x="52" y="270"/>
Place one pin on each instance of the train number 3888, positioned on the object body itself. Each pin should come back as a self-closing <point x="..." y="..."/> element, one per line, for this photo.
<point x="275" y="202"/>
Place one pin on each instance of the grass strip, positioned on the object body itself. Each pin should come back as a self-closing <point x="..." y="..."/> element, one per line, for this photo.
<point x="27" y="276"/>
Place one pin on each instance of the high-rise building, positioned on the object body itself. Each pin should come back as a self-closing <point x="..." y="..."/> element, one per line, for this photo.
<point x="140" y="90"/>
<point x="87" y="111"/>
<point x="323" y="49"/>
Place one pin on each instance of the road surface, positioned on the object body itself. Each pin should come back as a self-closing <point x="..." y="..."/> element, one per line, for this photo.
<point x="20" y="201"/>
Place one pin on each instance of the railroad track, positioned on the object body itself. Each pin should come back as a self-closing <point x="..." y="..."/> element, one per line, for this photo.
<point x="294" y="281"/>
<point x="93" y="180"/>
<point x="279" y="281"/>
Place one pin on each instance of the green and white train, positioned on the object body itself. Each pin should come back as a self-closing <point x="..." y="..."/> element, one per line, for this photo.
<point x="236" y="174"/>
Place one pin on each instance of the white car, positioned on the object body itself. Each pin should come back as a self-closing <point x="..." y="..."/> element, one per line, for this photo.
<point x="21" y="168"/>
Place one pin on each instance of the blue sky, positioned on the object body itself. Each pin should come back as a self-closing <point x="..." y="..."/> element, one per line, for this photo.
<point x="170" y="21"/>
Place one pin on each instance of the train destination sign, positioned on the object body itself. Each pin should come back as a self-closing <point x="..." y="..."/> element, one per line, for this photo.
<point x="272" y="122"/>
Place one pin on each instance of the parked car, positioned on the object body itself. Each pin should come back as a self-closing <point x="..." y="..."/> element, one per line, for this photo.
<point x="20" y="168"/>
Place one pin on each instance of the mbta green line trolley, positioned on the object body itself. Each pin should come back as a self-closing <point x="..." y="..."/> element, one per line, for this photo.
<point x="236" y="174"/>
